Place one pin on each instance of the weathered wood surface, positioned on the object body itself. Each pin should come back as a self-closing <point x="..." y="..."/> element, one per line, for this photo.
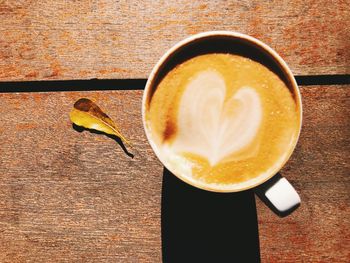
<point x="319" y="231"/>
<point x="70" y="196"/>
<point x="124" y="39"/>
<point x="73" y="196"/>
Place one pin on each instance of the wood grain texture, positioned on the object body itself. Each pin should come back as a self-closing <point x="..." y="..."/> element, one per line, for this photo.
<point x="124" y="39"/>
<point x="70" y="196"/>
<point x="319" y="231"/>
<point x="77" y="197"/>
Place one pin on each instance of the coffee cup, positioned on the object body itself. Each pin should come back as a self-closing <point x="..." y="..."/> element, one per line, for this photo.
<point x="223" y="112"/>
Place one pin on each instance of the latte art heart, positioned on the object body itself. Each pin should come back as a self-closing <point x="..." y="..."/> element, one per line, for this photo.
<point x="222" y="121"/>
<point x="212" y="126"/>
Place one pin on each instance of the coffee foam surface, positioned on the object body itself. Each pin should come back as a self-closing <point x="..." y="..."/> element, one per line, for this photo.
<point x="182" y="166"/>
<point x="212" y="126"/>
<point x="222" y="122"/>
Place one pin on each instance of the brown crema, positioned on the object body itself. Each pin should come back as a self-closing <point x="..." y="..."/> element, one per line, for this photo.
<point x="222" y="119"/>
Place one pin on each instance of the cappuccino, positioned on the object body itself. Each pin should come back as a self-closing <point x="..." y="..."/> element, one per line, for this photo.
<point x="218" y="120"/>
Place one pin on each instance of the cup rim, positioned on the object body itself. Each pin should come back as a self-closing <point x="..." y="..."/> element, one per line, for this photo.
<point x="265" y="48"/>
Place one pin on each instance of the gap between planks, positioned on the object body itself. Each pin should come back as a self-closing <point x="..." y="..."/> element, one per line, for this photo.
<point x="135" y="84"/>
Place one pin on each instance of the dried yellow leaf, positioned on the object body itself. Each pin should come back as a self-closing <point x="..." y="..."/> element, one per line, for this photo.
<point x="88" y="115"/>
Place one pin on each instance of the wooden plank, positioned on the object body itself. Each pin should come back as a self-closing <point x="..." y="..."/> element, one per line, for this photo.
<point x="66" y="195"/>
<point x="319" y="169"/>
<point x="124" y="39"/>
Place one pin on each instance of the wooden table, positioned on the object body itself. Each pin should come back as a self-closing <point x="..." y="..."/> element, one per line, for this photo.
<point x="70" y="196"/>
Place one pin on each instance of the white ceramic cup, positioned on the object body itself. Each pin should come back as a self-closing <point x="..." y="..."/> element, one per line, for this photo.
<point x="275" y="190"/>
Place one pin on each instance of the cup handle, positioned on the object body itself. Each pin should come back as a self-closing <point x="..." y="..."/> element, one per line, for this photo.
<point x="278" y="194"/>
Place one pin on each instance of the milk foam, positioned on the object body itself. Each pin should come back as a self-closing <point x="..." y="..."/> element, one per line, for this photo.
<point x="212" y="126"/>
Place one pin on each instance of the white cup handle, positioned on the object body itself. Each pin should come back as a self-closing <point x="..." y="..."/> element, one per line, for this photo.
<point x="279" y="195"/>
